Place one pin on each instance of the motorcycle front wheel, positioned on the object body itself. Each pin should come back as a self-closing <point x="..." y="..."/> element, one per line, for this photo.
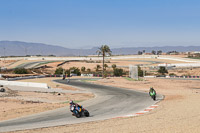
<point x="78" y="115"/>
<point x="154" y="97"/>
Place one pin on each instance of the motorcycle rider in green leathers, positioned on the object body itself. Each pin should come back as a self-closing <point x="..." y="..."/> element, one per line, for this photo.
<point x="152" y="93"/>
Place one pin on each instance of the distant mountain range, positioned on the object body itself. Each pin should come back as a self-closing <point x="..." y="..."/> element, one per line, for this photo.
<point x="17" y="48"/>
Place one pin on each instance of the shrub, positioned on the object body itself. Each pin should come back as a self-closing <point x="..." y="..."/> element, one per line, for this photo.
<point x="118" y="72"/>
<point x="75" y="70"/>
<point x="114" y="66"/>
<point x="59" y="70"/>
<point x="88" y="70"/>
<point x="140" y="72"/>
<point x="172" y="74"/>
<point x="20" y="71"/>
<point x="162" y="70"/>
<point x="83" y="69"/>
<point x="98" y="61"/>
<point x="105" y="66"/>
<point x="67" y="72"/>
<point x="97" y="67"/>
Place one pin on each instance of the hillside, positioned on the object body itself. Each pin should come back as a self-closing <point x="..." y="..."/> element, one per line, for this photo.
<point x="17" y="48"/>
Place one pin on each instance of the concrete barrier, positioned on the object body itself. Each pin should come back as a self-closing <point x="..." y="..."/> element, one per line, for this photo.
<point x="26" y="77"/>
<point x="87" y="75"/>
<point x="26" y="84"/>
<point x="150" y="76"/>
<point x="181" y="65"/>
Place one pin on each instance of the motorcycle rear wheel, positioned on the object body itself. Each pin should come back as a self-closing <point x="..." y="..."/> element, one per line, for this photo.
<point x="86" y="113"/>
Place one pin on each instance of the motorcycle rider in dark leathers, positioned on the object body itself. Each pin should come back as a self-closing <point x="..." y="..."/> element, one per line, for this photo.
<point x="73" y="106"/>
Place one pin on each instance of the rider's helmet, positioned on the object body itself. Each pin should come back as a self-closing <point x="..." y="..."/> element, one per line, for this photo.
<point x="71" y="102"/>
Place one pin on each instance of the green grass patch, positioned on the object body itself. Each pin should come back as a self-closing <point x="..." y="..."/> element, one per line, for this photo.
<point x="194" y="57"/>
<point x="130" y="79"/>
<point x="47" y="62"/>
<point x="40" y="63"/>
<point x="20" y="65"/>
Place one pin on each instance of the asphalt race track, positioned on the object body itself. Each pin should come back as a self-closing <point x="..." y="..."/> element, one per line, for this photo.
<point x="110" y="102"/>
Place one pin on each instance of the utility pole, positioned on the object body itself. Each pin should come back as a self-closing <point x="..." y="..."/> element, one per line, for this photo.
<point x="144" y="72"/>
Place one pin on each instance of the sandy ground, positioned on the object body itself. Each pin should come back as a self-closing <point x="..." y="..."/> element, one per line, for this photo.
<point x="120" y="62"/>
<point x="186" y="72"/>
<point x="179" y="112"/>
<point x="16" y="103"/>
<point x="123" y="63"/>
<point x="7" y="63"/>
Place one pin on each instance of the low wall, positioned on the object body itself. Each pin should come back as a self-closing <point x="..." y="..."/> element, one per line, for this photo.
<point x="26" y="84"/>
<point x="150" y="76"/>
<point x="25" y="77"/>
<point x="88" y="75"/>
<point x="181" y="65"/>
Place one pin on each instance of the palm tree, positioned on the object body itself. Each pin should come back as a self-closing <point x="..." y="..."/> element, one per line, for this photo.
<point x="153" y="52"/>
<point x="83" y="69"/>
<point x="104" y="50"/>
<point x="88" y="70"/>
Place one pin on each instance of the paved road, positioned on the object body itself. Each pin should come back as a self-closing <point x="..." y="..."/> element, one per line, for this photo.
<point x="109" y="102"/>
<point x="33" y="64"/>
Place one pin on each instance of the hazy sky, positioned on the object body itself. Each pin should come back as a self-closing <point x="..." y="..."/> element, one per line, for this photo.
<point x="91" y="23"/>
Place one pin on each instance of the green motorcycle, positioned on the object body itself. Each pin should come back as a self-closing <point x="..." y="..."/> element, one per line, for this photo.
<point x="152" y="93"/>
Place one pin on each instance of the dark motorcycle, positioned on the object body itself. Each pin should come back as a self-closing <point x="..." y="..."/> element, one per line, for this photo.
<point x="79" y="111"/>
